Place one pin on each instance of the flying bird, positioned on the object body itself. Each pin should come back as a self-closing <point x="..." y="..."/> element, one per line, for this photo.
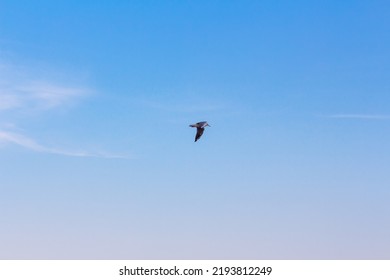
<point x="199" y="129"/>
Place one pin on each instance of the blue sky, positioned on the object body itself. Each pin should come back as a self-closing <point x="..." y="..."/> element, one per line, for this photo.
<point x="97" y="160"/>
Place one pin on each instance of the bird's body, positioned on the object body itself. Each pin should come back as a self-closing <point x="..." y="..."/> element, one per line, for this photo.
<point x="199" y="129"/>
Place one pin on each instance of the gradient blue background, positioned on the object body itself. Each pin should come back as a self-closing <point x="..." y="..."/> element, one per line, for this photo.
<point x="97" y="160"/>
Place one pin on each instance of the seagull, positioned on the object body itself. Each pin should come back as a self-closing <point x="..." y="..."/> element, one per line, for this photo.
<point x="199" y="129"/>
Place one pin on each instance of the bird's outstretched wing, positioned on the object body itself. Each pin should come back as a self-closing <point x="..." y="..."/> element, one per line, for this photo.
<point x="199" y="132"/>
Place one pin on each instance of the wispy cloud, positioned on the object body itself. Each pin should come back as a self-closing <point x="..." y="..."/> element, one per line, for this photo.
<point x="21" y="91"/>
<point x="48" y="95"/>
<point x="360" y="116"/>
<point x="7" y="137"/>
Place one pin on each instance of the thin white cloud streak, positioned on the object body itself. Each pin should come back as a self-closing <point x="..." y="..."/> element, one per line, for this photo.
<point x="360" y="116"/>
<point x="23" y="90"/>
<point x="7" y="137"/>
<point x="38" y="96"/>
<point x="50" y="95"/>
